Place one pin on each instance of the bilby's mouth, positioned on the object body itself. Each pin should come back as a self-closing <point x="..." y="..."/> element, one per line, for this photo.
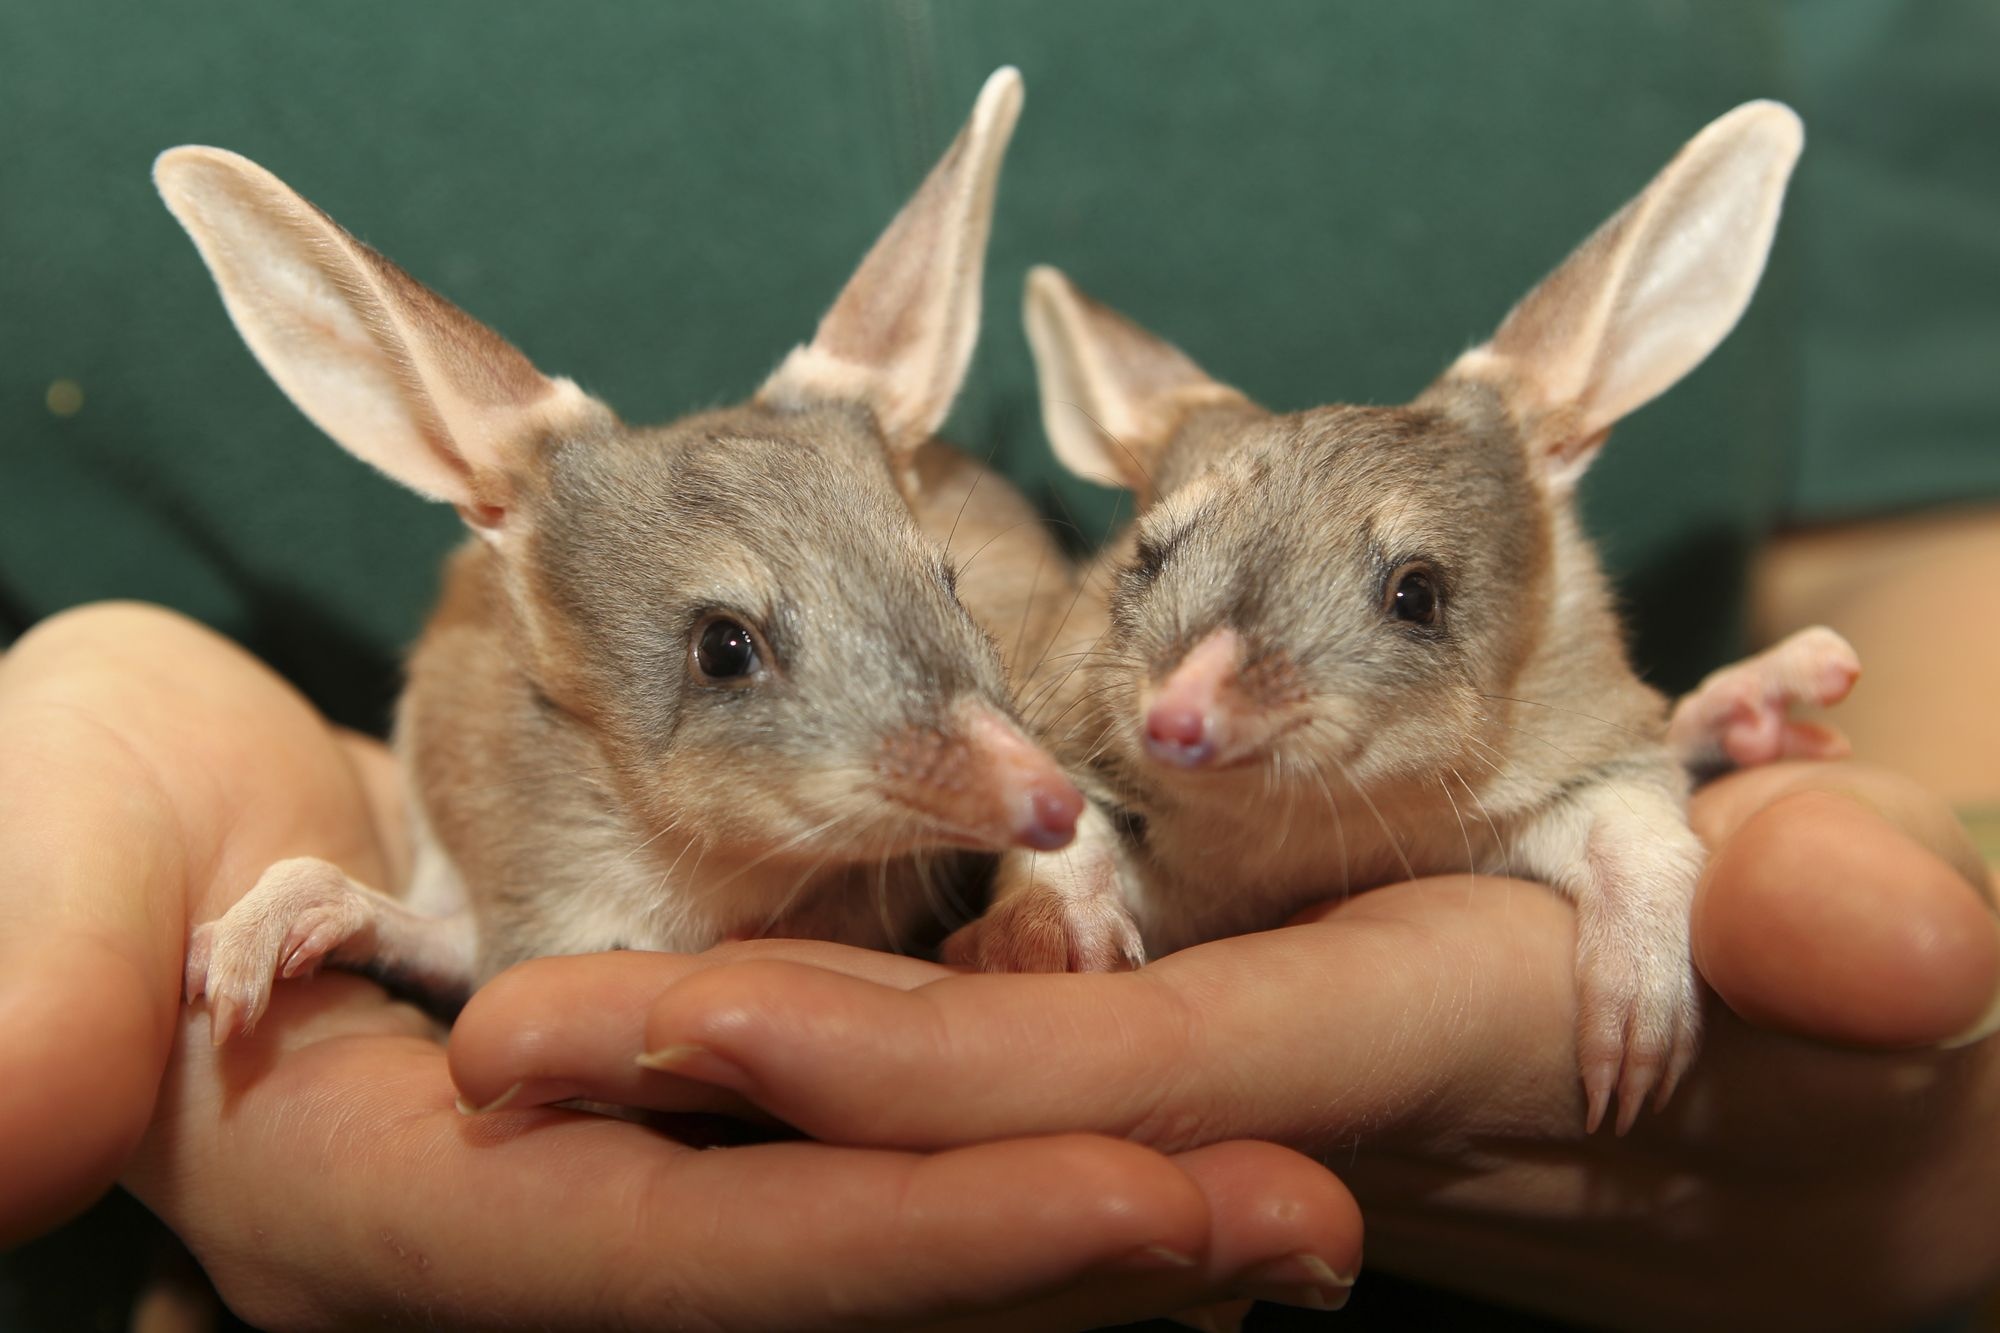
<point x="981" y="784"/>
<point x="1220" y="759"/>
<point x="951" y="832"/>
<point x="1040" y="820"/>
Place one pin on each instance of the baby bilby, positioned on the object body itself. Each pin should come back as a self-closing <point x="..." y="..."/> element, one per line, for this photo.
<point x="685" y="682"/>
<point x="1354" y="644"/>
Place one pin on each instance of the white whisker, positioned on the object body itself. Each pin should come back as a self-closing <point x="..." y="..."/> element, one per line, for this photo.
<point x="1408" y="871"/>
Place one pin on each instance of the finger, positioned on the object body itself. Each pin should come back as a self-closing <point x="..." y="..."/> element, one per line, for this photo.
<point x="84" y="1053"/>
<point x="1292" y="1236"/>
<point x="553" y="1029"/>
<point x="139" y="754"/>
<point x="1442" y="999"/>
<point x="1283" y="1230"/>
<point x="897" y="1235"/>
<point x="91" y="881"/>
<point x="1725" y="805"/>
<point x="1819" y="917"/>
<point x="388" y="1195"/>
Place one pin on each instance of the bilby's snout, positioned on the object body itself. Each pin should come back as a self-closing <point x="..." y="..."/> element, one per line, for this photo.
<point x="1040" y="804"/>
<point x="1178" y="733"/>
<point x="1189" y="719"/>
<point x="982" y="782"/>
<point x="1047" y="818"/>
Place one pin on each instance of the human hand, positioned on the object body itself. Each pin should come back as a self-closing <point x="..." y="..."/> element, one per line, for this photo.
<point x="321" y="1173"/>
<point x="1423" y="1035"/>
<point x="147" y="768"/>
<point x="322" y="1176"/>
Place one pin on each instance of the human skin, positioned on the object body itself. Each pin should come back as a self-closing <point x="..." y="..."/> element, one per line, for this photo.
<point x="1831" y="1141"/>
<point x="1915" y="596"/>
<point x="1421" y="1036"/>
<point x="321" y="1172"/>
<point x="1842" y="1118"/>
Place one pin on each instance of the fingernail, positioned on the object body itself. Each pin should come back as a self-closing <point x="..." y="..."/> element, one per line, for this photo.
<point x="1153" y="1258"/>
<point x="1301" y="1279"/>
<point x="466" y="1108"/>
<point x="1150" y="1259"/>
<point x="688" y="1060"/>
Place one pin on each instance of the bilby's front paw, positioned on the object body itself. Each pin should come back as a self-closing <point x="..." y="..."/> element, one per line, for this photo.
<point x="1052" y="913"/>
<point x="1043" y="932"/>
<point x="299" y="912"/>
<point x="1741" y="715"/>
<point x="1638" y="1023"/>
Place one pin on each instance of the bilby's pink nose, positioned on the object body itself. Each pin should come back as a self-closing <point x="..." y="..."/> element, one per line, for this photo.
<point x="1041" y="805"/>
<point x="980" y="781"/>
<point x="1178" y="734"/>
<point x="1185" y="722"/>
<point x="1052" y="814"/>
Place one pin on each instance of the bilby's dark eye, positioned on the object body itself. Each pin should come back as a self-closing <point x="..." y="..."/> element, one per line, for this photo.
<point x="1413" y="594"/>
<point x="1151" y="553"/>
<point x="724" y="650"/>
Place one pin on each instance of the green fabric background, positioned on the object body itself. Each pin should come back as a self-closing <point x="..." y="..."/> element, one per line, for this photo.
<point x="1318" y="200"/>
<point x="1899" y="211"/>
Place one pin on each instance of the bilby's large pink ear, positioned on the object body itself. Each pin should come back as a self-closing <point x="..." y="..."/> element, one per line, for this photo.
<point x="1649" y="295"/>
<point x="396" y="374"/>
<point x="900" y="336"/>
<point x="1113" y="394"/>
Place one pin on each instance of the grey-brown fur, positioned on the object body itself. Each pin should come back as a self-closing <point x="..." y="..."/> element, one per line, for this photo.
<point x="580" y="778"/>
<point x="1278" y="722"/>
<point x="1300" y="519"/>
<point x="789" y="520"/>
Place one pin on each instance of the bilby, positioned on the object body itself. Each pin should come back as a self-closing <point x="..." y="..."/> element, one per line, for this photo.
<point x="1353" y="644"/>
<point x="685" y="682"/>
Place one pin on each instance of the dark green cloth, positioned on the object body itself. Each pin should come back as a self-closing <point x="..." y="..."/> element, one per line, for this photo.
<point x="1899" y="254"/>
<point x="1319" y="201"/>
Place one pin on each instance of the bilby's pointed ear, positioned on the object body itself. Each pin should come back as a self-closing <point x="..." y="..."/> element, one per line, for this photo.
<point x="1112" y="394"/>
<point x="396" y="374"/>
<point x="901" y="334"/>
<point x="1649" y="295"/>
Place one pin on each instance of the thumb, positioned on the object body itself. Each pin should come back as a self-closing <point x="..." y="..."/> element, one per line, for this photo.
<point x="1842" y="904"/>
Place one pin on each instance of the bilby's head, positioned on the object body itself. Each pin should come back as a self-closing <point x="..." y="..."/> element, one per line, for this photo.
<point x="1338" y="594"/>
<point x="737" y="605"/>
